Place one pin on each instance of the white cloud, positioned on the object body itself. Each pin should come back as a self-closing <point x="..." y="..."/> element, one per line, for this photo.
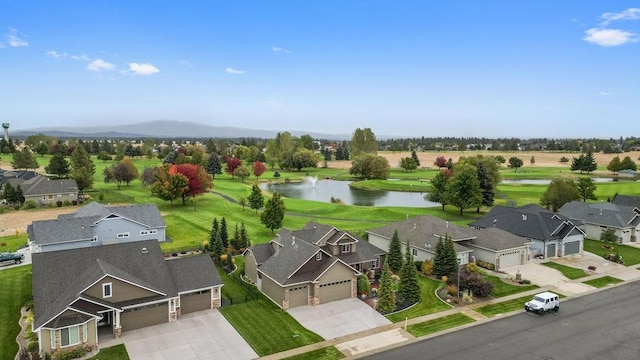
<point x="186" y="63"/>
<point x="82" y="57"/>
<point x="14" y="39"/>
<point x="608" y="37"/>
<point x="603" y="93"/>
<point x="56" y="55"/>
<point x="100" y="65"/>
<point x="628" y="14"/>
<point x="143" y="69"/>
<point x="231" y="70"/>
<point x="279" y="49"/>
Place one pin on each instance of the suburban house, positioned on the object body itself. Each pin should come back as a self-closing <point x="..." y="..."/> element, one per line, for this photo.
<point x="626" y="200"/>
<point x="44" y="190"/>
<point x="594" y="218"/>
<point x="494" y="246"/>
<point x="83" y="294"/>
<point x="550" y="234"/>
<point x="5" y="175"/>
<point x="95" y="224"/>
<point x="311" y="266"/>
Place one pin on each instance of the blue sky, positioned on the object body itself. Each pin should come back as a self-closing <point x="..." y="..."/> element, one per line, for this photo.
<point x="403" y="68"/>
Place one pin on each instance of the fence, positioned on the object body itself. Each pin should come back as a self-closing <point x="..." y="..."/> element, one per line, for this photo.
<point x="250" y="292"/>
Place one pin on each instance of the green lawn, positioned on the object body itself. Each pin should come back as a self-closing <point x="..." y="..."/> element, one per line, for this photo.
<point x="603" y="281"/>
<point x="439" y="324"/>
<point x="503" y="307"/>
<point x="267" y="328"/>
<point x="326" y="353"/>
<point x="12" y="243"/>
<point x="117" y="352"/>
<point x="501" y="288"/>
<point x="16" y="291"/>
<point x="568" y="271"/>
<point x="630" y="254"/>
<point x="429" y="302"/>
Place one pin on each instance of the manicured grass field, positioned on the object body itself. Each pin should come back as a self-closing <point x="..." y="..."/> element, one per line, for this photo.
<point x="15" y="285"/>
<point x="116" y="352"/>
<point x="568" y="271"/>
<point x="630" y="254"/>
<point x="12" y="243"/>
<point x="439" y="324"/>
<point x="503" y="307"/>
<point x="603" y="281"/>
<point x="326" y="353"/>
<point x="501" y="288"/>
<point x="410" y="185"/>
<point x="429" y="302"/>
<point x="267" y="328"/>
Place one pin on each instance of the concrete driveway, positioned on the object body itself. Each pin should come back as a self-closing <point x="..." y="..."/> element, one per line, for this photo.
<point x="200" y="335"/>
<point x="338" y="318"/>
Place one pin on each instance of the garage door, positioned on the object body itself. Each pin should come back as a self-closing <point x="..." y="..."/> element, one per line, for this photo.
<point x="337" y="290"/>
<point x="137" y="318"/>
<point x="298" y="296"/>
<point x="196" y="301"/>
<point x="509" y="259"/>
<point x="551" y="250"/>
<point x="572" y="248"/>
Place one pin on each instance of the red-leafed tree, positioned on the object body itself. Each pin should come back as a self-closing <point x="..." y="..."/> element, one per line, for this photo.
<point x="232" y="165"/>
<point x="199" y="180"/>
<point x="258" y="169"/>
<point x="440" y="162"/>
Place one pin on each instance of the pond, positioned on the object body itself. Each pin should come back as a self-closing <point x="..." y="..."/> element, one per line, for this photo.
<point x="323" y="190"/>
<point x="547" y="181"/>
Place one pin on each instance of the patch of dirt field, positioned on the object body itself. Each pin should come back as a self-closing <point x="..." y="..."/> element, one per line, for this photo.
<point x="545" y="159"/>
<point x="18" y="220"/>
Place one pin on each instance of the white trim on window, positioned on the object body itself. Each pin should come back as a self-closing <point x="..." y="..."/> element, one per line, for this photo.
<point x="319" y="256"/>
<point x="123" y="235"/>
<point x="52" y="334"/>
<point x="94" y="239"/>
<point x="346" y="248"/>
<point x="84" y="332"/>
<point x="71" y="335"/>
<point x="107" y="290"/>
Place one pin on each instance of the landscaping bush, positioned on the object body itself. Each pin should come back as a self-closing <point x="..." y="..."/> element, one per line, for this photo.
<point x="427" y="267"/>
<point x="363" y="284"/>
<point x="23" y="354"/>
<point x="418" y="264"/>
<point x="74" y="202"/>
<point x="66" y="203"/>
<point x="59" y="203"/>
<point x="30" y="204"/>
<point x="32" y="346"/>
<point x="475" y="283"/>
<point x="35" y="355"/>
<point x="486" y="265"/>
<point x="525" y="282"/>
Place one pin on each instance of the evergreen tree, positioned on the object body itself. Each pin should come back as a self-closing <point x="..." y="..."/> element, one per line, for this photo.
<point x="19" y="195"/>
<point x="445" y="261"/>
<point x="387" y="299"/>
<point x="244" y="236"/>
<point x="9" y="193"/>
<point x="439" y="269"/>
<point x="24" y="159"/>
<point x="215" y="230"/>
<point x="394" y="257"/>
<point x="82" y="168"/>
<point x="229" y="262"/>
<point x="414" y="156"/>
<point x="215" y="244"/>
<point x="214" y="166"/>
<point x="409" y="288"/>
<point x="273" y="213"/>
<point x="235" y="239"/>
<point x="58" y="165"/>
<point x="256" y="200"/>
<point x="224" y="234"/>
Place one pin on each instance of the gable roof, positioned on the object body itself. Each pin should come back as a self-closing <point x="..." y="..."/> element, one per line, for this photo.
<point x="194" y="272"/>
<point x="261" y="252"/>
<point x="42" y="185"/>
<point x="78" y="225"/>
<point x="529" y="221"/>
<point x="626" y="200"/>
<point x="60" y="276"/>
<point x="495" y="239"/>
<point x="5" y="175"/>
<point x="605" y="214"/>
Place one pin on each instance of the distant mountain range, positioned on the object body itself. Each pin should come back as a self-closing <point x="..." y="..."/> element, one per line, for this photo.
<point x="165" y="129"/>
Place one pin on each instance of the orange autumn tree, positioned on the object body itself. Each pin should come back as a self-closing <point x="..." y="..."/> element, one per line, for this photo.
<point x="180" y="180"/>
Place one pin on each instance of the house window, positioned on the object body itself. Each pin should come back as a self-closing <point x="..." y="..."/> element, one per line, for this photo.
<point x="106" y="290"/>
<point x="50" y="197"/>
<point x="72" y="195"/>
<point x="319" y="256"/>
<point x="69" y="336"/>
<point x="375" y="263"/>
<point x="94" y="239"/>
<point x="123" y="235"/>
<point x="346" y="248"/>
<point x="148" y="232"/>
<point x="414" y="252"/>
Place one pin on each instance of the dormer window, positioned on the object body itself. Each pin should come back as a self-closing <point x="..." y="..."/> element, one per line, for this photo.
<point x="318" y="256"/>
<point x="107" y="290"/>
<point x="346" y="248"/>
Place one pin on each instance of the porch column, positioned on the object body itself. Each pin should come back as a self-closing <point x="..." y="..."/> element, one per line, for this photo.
<point x="117" y="329"/>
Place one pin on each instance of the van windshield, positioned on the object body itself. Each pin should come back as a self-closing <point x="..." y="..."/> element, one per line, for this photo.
<point x="538" y="299"/>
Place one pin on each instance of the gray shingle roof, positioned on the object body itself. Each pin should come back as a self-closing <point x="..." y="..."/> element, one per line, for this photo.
<point x="626" y="200"/>
<point x="495" y="239"/>
<point x="261" y="252"/>
<point x="529" y="221"/>
<point x="147" y="214"/>
<point x="291" y="256"/>
<point x="364" y="252"/>
<point x="42" y="185"/>
<point x="606" y="214"/>
<point x="194" y="272"/>
<point x="60" y="276"/>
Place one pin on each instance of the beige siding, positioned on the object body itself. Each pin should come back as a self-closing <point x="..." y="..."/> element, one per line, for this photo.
<point x="250" y="266"/>
<point x="337" y="272"/>
<point x="121" y="291"/>
<point x="132" y="319"/>
<point x="272" y="290"/>
<point x="92" y="336"/>
<point x="45" y="340"/>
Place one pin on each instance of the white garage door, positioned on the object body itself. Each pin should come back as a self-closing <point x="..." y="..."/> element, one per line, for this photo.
<point x="572" y="248"/>
<point x="509" y="259"/>
<point x="337" y="290"/>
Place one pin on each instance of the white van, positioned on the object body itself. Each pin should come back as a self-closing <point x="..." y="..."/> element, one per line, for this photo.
<point x="543" y="302"/>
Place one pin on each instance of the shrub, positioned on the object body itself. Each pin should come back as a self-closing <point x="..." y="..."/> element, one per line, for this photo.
<point x="363" y="284"/>
<point x="74" y="202"/>
<point x="59" y="203"/>
<point x="16" y="207"/>
<point x="452" y="290"/>
<point x="101" y="197"/>
<point x="3" y="244"/>
<point x="564" y="159"/>
<point x="35" y="355"/>
<point x="525" y="281"/>
<point x="66" y="203"/>
<point x="427" y="267"/>
<point x="32" y="346"/>
<point x="23" y="354"/>
<point x="30" y="204"/>
<point x="486" y="265"/>
<point x="418" y="264"/>
<point x="472" y="268"/>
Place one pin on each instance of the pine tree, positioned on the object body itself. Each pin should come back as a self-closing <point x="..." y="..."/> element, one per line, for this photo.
<point x="273" y="213"/>
<point x="414" y="156"/>
<point x="440" y="268"/>
<point x="387" y="302"/>
<point x="9" y="193"/>
<point x="256" y="200"/>
<point x="395" y="253"/>
<point x="19" y="195"/>
<point x="244" y="236"/>
<point x="450" y="256"/>
<point x="229" y="262"/>
<point x="224" y="234"/>
<point x="235" y="240"/>
<point x="409" y="288"/>
<point x="215" y="244"/>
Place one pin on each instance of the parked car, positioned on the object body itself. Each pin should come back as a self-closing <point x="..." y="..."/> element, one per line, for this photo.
<point x="543" y="302"/>
<point x="15" y="257"/>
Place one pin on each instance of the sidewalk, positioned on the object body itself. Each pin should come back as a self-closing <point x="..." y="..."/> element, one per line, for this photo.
<point x="393" y="335"/>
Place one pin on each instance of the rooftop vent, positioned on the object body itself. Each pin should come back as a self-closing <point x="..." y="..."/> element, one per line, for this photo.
<point x="293" y="240"/>
<point x="144" y="250"/>
<point x="427" y="246"/>
<point x="414" y="226"/>
<point x="524" y="217"/>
